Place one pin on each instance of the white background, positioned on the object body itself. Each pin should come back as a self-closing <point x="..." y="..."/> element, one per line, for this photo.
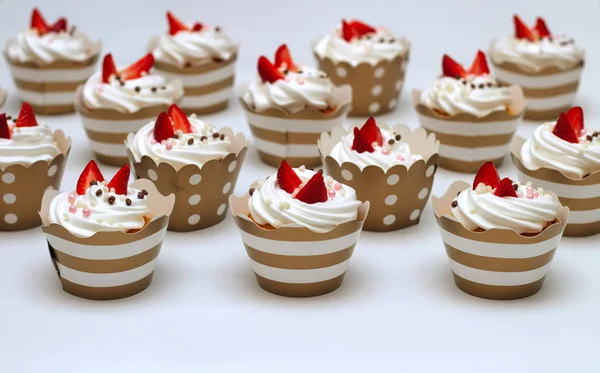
<point x="398" y="309"/>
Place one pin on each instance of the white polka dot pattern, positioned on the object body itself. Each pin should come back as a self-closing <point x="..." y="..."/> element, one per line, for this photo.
<point x="152" y="175"/>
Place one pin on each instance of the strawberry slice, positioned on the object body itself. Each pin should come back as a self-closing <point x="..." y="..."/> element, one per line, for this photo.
<point x="314" y="191"/>
<point x="488" y="175"/>
<point x="60" y="25"/>
<point x="4" y="128"/>
<point x="283" y="58"/>
<point x="361" y="144"/>
<point x="362" y="28"/>
<point x="287" y="178"/>
<point x="163" y="127"/>
<point x="348" y="32"/>
<point x="575" y="116"/>
<point x="542" y="30"/>
<point x="563" y="130"/>
<point x="139" y="68"/>
<point x="108" y="68"/>
<point x="371" y="132"/>
<point x="522" y="31"/>
<point x="120" y="180"/>
<point x="26" y="117"/>
<point x="505" y="188"/>
<point x="175" y="25"/>
<point x="38" y="22"/>
<point x="451" y="68"/>
<point x="90" y="173"/>
<point x="480" y="66"/>
<point x="179" y="119"/>
<point x="197" y="26"/>
<point x="267" y="71"/>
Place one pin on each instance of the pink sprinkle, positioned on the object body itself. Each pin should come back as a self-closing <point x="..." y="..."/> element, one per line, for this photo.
<point x="385" y="152"/>
<point x="337" y="186"/>
<point x="374" y="144"/>
<point x="529" y="196"/>
<point x="331" y="193"/>
<point x="86" y="212"/>
<point x="100" y="88"/>
<point x="153" y="142"/>
<point x="72" y="209"/>
<point x="72" y="198"/>
<point x="400" y="158"/>
<point x="301" y="82"/>
<point x="169" y="146"/>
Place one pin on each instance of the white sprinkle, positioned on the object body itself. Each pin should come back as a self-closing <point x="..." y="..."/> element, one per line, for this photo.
<point x="268" y="202"/>
<point x="302" y="168"/>
<point x="66" y="216"/>
<point x="193" y="116"/>
<point x="80" y="204"/>
<point x="112" y="190"/>
<point x="93" y="203"/>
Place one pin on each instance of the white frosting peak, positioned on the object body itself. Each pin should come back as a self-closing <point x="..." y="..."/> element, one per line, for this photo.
<point x="27" y="146"/>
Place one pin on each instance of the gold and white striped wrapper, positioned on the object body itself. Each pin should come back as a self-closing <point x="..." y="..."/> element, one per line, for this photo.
<point x="295" y="261"/>
<point x="498" y="263"/>
<point x="107" y="129"/>
<point x="581" y="196"/>
<point x="108" y="265"/>
<point x="279" y="135"/>
<point x="2" y="97"/>
<point x="466" y="141"/>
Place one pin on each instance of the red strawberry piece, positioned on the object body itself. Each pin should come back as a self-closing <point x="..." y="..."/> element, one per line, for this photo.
<point x="488" y="175"/>
<point x="26" y="117"/>
<point x="362" y="28"/>
<point x="522" y="31"/>
<point x="60" y="25"/>
<point x="360" y="143"/>
<point x="197" y="26"/>
<point x="108" y="68"/>
<point x="563" y="130"/>
<point x="175" y="25"/>
<point x="314" y="191"/>
<point x="505" y="188"/>
<point x="139" y="68"/>
<point x="4" y="128"/>
<point x="480" y="66"/>
<point x="371" y="132"/>
<point x="541" y="28"/>
<point x="348" y="32"/>
<point x="575" y="116"/>
<point x="163" y="127"/>
<point x="90" y="173"/>
<point x="283" y="58"/>
<point x="287" y="178"/>
<point x="120" y="180"/>
<point x="38" y="22"/>
<point x="451" y="68"/>
<point x="179" y="119"/>
<point x="267" y="71"/>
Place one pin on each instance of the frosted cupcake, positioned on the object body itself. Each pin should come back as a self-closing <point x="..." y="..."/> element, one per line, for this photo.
<point x="191" y="159"/>
<point x="471" y="113"/>
<point x="49" y="61"/>
<point x="117" y="101"/>
<point x="547" y="66"/>
<point x="288" y="107"/>
<point x="203" y="58"/>
<point x="370" y="59"/>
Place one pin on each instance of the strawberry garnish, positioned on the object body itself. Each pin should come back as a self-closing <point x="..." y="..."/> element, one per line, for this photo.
<point x="522" y="31"/>
<point x="267" y="71"/>
<point x="139" y="68"/>
<point x="541" y="28"/>
<point x="314" y="191"/>
<point x="287" y="178"/>
<point x="59" y="26"/>
<point x="479" y="66"/>
<point x="163" y="127"/>
<point x="90" y="173"/>
<point x="4" y="128"/>
<point x="38" y="22"/>
<point x="361" y="144"/>
<point x="175" y="25"/>
<point x="488" y="175"/>
<point x="362" y="28"/>
<point x="108" y="68"/>
<point x="283" y="58"/>
<point x="451" y="68"/>
<point x="26" y="117"/>
<point x="563" y="130"/>
<point x="348" y="32"/>
<point x="505" y="188"/>
<point x="120" y="180"/>
<point x="197" y="26"/>
<point x="371" y="132"/>
<point x="179" y="119"/>
<point x="575" y="115"/>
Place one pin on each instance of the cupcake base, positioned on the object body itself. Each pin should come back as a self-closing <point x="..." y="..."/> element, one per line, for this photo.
<point x="300" y="290"/>
<point x="498" y="292"/>
<point x="110" y="293"/>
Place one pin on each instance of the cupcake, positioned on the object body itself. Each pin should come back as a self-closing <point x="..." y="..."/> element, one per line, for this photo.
<point x="370" y="59"/>
<point x="192" y="160"/>
<point x="49" y="61"/>
<point x="104" y="238"/>
<point x="32" y="160"/>
<point x="500" y="236"/>
<point x="121" y="100"/>
<point x="203" y="58"/>
<point x="547" y="66"/>
<point x="471" y="113"/>
<point x="565" y="156"/>
<point x="299" y="230"/>
<point x="288" y="107"/>
<point x="392" y="168"/>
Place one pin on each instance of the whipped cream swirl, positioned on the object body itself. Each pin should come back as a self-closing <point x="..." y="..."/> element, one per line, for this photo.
<point x="533" y="56"/>
<point x="92" y="212"/>
<point x="203" y="144"/>
<point x="269" y="204"/>
<point x="475" y="95"/>
<point x="131" y="95"/>
<point x="27" y="146"/>
<point x="530" y="212"/>
<point x="545" y="149"/>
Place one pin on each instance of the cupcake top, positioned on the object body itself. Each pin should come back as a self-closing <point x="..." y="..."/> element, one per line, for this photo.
<point x="355" y="42"/>
<point x="288" y="86"/>
<point x="302" y="197"/>
<point x="43" y="44"/>
<point x="494" y="203"/>
<point x="179" y="140"/>
<point x="473" y="91"/>
<point x="566" y="146"/>
<point x="100" y="206"/>
<point x="197" y="45"/>
<point x="534" y="49"/>
<point x="372" y="145"/>
<point x="23" y="141"/>
<point x="129" y="89"/>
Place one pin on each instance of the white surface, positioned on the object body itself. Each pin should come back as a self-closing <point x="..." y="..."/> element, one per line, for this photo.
<point x="398" y="309"/>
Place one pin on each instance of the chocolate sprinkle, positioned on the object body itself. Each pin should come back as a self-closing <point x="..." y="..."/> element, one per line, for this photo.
<point x="190" y="141"/>
<point x="398" y="137"/>
<point x="137" y="89"/>
<point x="589" y="137"/>
<point x="251" y="191"/>
<point x="217" y="29"/>
<point x="203" y="138"/>
<point x="222" y="137"/>
<point x="286" y="71"/>
<point x="464" y="82"/>
<point x="320" y="171"/>
<point x="516" y="186"/>
<point x="153" y="89"/>
<point x="140" y="195"/>
<point x="391" y="141"/>
<point x="111" y="200"/>
<point x="215" y="135"/>
<point x="98" y="192"/>
<point x="473" y="86"/>
<point x="457" y="77"/>
<point x="490" y="85"/>
<point x="164" y="87"/>
<point x="454" y="203"/>
<point x="93" y="182"/>
<point x="481" y="86"/>
<point x="128" y="202"/>
<point x="14" y="120"/>
<point x="8" y="117"/>
<point x="145" y="192"/>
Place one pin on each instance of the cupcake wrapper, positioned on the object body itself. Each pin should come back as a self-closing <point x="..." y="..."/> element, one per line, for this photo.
<point x="398" y="196"/>
<point x="498" y="263"/>
<point x="547" y="92"/>
<point x="2" y="97"/>
<point x="466" y="142"/>
<point x="581" y="196"/>
<point x="295" y="261"/>
<point x="22" y="188"/>
<point x="201" y="193"/>
<point x="108" y="265"/>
